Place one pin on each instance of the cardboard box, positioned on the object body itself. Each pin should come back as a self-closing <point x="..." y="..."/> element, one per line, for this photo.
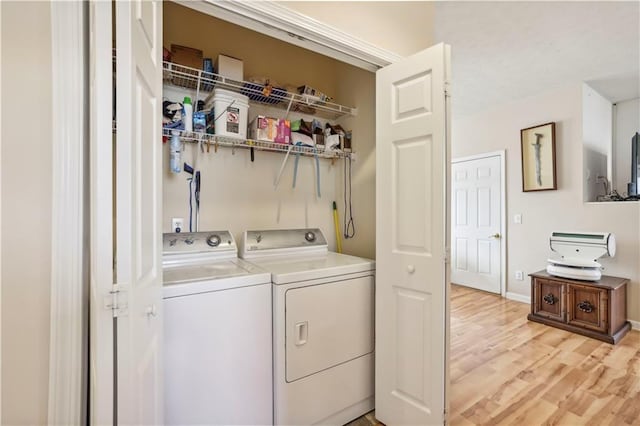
<point x="229" y="67"/>
<point x="186" y="56"/>
<point x="263" y="128"/>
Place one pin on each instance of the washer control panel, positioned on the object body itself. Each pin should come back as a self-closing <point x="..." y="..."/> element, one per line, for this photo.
<point x="188" y="242"/>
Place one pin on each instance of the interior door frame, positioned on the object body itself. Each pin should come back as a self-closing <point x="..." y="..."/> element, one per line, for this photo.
<point x="66" y="402"/>
<point x="69" y="255"/>
<point x="503" y="209"/>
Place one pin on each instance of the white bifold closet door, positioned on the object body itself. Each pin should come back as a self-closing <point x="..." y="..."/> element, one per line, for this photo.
<point x="412" y="223"/>
<point x="126" y="355"/>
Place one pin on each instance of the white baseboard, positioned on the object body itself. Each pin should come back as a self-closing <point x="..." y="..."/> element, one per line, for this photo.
<point x="518" y="297"/>
<point x="635" y="325"/>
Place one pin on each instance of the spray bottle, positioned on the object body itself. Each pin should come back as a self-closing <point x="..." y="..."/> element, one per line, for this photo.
<point x="175" y="147"/>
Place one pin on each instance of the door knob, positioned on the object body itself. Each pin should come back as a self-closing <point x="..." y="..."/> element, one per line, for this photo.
<point x="411" y="269"/>
<point x="496" y="236"/>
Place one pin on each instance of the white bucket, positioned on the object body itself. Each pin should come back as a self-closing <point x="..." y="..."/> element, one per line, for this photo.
<point x="231" y="111"/>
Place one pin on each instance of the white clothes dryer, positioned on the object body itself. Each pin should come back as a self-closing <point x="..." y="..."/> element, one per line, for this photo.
<point x="323" y="326"/>
<point x="217" y="333"/>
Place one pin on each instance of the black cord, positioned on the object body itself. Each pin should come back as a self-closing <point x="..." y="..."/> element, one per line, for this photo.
<point x="349" y="227"/>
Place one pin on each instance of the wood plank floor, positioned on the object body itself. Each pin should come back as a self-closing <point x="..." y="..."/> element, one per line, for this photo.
<point x="506" y="370"/>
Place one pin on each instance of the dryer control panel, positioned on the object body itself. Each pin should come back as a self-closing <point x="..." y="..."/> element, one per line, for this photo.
<point x="283" y="241"/>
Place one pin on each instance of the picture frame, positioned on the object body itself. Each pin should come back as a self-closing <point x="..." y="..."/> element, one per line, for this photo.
<point x="538" y="153"/>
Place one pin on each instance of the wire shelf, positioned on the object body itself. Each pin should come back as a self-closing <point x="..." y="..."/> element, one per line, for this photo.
<point x="205" y="82"/>
<point x="208" y="141"/>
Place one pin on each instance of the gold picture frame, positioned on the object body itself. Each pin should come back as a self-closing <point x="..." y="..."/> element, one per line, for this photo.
<point x="538" y="148"/>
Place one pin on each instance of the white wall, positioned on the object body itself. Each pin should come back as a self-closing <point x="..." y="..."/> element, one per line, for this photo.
<point x="547" y="211"/>
<point x="597" y="128"/>
<point x="627" y="123"/>
<point x="26" y="210"/>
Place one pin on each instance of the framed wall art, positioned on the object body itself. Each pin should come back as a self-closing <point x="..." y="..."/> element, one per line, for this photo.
<point x="538" y="147"/>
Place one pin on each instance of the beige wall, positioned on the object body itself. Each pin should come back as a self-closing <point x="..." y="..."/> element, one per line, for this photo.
<point x="238" y="194"/>
<point x="403" y="27"/>
<point x="547" y="211"/>
<point x="26" y="210"/>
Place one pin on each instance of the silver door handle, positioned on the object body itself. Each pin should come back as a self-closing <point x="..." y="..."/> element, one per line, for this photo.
<point x="151" y="311"/>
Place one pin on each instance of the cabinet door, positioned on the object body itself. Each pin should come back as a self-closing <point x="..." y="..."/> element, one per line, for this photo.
<point x="587" y="307"/>
<point x="549" y="299"/>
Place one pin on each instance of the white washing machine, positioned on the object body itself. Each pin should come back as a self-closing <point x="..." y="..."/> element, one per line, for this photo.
<point x="323" y="326"/>
<point x="217" y="333"/>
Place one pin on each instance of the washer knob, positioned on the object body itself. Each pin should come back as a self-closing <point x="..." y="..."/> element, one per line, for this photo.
<point x="310" y="236"/>
<point x="189" y="241"/>
<point x="213" y="240"/>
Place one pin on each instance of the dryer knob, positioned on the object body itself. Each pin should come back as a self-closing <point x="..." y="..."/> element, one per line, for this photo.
<point x="310" y="236"/>
<point x="213" y="240"/>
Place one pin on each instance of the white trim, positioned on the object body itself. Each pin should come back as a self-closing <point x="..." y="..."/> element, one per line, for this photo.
<point x="101" y="352"/>
<point x="518" y="297"/>
<point x="0" y="223"/>
<point x="278" y="21"/>
<point x="635" y="325"/>
<point x="67" y="356"/>
<point x="503" y="210"/>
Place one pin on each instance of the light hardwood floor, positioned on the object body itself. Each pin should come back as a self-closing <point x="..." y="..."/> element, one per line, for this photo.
<point x="506" y="370"/>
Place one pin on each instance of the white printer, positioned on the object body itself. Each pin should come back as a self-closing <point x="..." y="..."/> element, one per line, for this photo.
<point x="578" y="252"/>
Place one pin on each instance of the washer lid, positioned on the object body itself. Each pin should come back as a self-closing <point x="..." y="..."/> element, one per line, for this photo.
<point x="289" y="269"/>
<point x="211" y="276"/>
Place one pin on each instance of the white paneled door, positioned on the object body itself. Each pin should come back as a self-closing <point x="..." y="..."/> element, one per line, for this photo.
<point x="476" y="212"/>
<point x="412" y="222"/>
<point x="138" y="211"/>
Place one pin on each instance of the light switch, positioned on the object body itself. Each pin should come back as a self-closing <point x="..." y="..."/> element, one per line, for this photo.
<point x="517" y="218"/>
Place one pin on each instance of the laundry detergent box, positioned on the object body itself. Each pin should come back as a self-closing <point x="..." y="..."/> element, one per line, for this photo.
<point x="283" y="134"/>
<point x="263" y="128"/>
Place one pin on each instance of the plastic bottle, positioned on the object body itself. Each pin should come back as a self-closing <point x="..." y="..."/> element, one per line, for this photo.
<point x="188" y="114"/>
<point x="175" y="158"/>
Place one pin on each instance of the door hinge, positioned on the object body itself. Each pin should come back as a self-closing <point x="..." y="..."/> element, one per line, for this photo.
<point x="447" y="89"/>
<point x="445" y="417"/>
<point x="447" y="255"/>
<point x="116" y="301"/>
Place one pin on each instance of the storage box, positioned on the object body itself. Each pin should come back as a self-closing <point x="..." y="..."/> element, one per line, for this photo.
<point x="284" y="132"/>
<point x="263" y="128"/>
<point x="230" y="67"/>
<point x="186" y="56"/>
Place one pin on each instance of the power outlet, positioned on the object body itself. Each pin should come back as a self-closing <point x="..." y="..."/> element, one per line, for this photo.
<point x="519" y="275"/>
<point x="177" y="224"/>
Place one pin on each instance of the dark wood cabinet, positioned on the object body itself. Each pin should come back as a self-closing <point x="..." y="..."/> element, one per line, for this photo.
<point x="596" y="309"/>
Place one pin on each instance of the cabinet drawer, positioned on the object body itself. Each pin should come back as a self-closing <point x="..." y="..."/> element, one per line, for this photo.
<point x="587" y="307"/>
<point x="549" y="299"/>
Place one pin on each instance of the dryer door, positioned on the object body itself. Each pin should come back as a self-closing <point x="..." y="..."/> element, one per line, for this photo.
<point x="328" y="324"/>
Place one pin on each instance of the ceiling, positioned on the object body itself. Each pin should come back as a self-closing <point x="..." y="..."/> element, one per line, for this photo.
<point x="503" y="51"/>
